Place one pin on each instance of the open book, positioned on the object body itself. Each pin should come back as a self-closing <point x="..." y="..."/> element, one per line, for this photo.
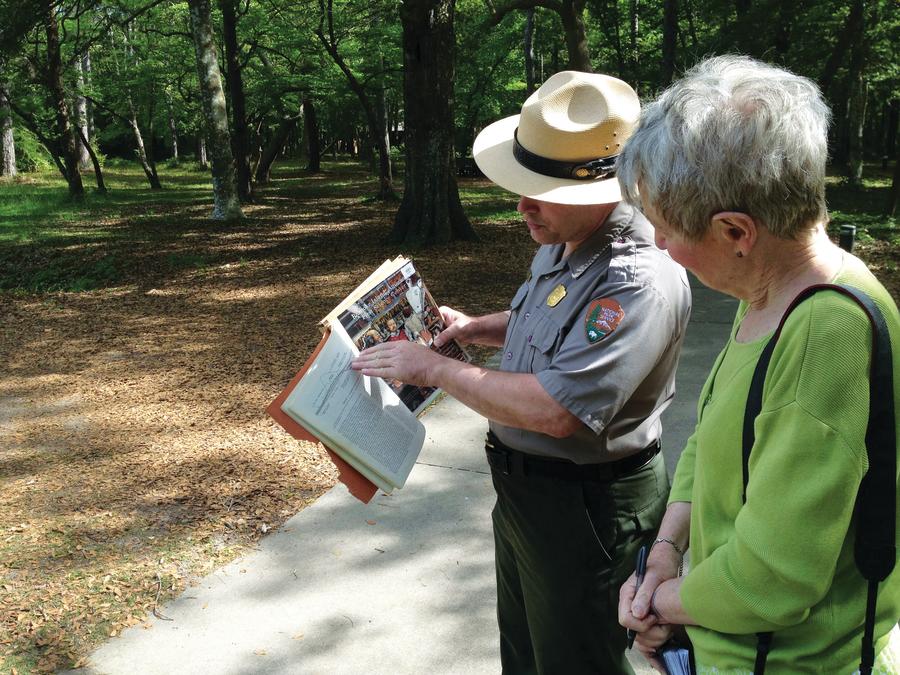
<point x="368" y="425"/>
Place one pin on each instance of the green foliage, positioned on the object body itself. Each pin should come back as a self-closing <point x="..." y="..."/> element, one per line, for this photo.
<point x="31" y="155"/>
<point x="143" y="61"/>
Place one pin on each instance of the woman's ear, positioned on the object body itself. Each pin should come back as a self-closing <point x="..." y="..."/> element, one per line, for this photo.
<point x="736" y="230"/>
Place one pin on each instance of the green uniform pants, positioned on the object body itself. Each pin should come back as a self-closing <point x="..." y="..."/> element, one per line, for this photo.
<point x="563" y="549"/>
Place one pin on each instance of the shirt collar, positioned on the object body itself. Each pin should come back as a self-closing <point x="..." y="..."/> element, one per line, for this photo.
<point x="594" y="246"/>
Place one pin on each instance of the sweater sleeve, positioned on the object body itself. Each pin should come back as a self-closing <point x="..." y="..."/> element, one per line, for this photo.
<point x="805" y="470"/>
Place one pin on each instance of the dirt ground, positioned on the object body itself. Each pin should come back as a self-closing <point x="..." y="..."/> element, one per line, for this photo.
<point x="136" y="453"/>
<point x="136" y="450"/>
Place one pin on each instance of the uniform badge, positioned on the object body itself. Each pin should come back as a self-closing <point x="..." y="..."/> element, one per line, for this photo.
<point x="556" y="295"/>
<point x="603" y="315"/>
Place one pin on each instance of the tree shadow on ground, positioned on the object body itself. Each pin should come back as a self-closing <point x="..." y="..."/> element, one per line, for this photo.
<point x="135" y="442"/>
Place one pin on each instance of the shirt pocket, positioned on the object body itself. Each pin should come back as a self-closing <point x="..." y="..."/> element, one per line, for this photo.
<point x="519" y="297"/>
<point x="543" y="340"/>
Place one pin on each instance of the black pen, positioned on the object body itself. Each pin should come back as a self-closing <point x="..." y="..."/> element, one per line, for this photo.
<point x="639" y="570"/>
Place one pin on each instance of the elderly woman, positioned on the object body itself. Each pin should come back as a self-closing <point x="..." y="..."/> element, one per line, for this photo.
<point x="729" y="166"/>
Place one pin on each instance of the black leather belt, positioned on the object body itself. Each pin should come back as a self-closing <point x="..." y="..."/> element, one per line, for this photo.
<point x="512" y="462"/>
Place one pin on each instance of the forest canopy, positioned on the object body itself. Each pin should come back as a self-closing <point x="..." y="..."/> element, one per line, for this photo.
<point x="235" y="84"/>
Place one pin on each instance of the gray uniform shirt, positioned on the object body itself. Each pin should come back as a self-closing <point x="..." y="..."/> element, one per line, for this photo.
<point x="618" y="381"/>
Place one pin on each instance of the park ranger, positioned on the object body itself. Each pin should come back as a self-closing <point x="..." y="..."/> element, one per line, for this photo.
<point x="590" y="343"/>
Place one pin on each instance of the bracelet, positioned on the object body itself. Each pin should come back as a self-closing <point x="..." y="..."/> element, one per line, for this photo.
<point x="663" y="540"/>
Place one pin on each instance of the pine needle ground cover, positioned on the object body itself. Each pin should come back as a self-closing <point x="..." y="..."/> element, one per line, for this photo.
<point x="139" y="347"/>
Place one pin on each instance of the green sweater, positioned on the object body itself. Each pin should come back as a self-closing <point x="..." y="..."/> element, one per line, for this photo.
<point x="783" y="561"/>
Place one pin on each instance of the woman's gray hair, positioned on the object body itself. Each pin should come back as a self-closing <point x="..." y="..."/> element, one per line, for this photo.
<point x="734" y="134"/>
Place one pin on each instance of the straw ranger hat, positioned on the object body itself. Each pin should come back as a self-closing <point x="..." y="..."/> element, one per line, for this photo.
<point x="562" y="148"/>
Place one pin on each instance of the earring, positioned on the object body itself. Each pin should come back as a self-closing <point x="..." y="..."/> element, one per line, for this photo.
<point x="740" y="255"/>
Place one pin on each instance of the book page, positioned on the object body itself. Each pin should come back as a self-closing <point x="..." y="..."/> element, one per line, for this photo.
<point x="399" y="307"/>
<point x="386" y="268"/>
<point x="360" y="417"/>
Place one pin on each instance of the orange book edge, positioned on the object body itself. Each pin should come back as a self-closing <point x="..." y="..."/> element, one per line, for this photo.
<point x="358" y="485"/>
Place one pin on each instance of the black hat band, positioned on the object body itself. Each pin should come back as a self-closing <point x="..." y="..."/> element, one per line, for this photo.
<point x="604" y="167"/>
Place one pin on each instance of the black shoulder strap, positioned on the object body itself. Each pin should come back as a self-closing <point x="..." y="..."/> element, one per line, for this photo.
<point x="876" y="501"/>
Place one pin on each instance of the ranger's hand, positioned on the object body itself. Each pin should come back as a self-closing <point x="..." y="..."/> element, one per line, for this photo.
<point x="458" y="327"/>
<point x="408" y="362"/>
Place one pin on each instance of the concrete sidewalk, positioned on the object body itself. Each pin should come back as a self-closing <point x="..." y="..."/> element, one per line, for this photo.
<point x="404" y="585"/>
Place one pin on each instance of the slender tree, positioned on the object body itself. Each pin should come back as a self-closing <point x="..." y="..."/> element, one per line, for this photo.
<point x="311" y="133"/>
<point x="890" y="209"/>
<point x="173" y="128"/>
<point x="95" y="162"/>
<point x="240" y="138"/>
<point x="376" y="126"/>
<point x="430" y="212"/>
<point x="226" y="205"/>
<point x="273" y="148"/>
<point x="571" y="14"/>
<point x="61" y="107"/>
<point x="86" y="73"/>
<point x="81" y="117"/>
<point x="634" y="29"/>
<point x="670" y="37"/>
<point x="858" y="94"/>
<point x="7" y="142"/>
<point x="843" y="43"/>
<point x="528" y="51"/>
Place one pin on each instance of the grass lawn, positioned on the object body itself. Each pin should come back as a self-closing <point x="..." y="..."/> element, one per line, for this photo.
<point x="140" y="344"/>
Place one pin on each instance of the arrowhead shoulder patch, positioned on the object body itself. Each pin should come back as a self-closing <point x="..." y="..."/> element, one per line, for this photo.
<point x="602" y="317"/>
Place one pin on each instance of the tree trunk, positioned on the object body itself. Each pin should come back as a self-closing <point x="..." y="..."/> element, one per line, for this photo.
<point x="86" y="73"/>
<point x="55" y="84"/>
<point x="528" y="48"/>
<point x="692" y="29"/>
<point x="786" y="18"/>
<point x="7" y="142"/>
<point x="140" y="150"/>
<point x="609" y="20"/>
<point x="98" y="170"/>
<point x="743" y="32"/>
<point x="201" y="150"/>
<point x="572" y="15"/>
<point x="173" y="129"/>
<point x="311" y="131"/>
<point x="894" y="196"/>
<point x="274" y="147"/>
<point x="859" y="90"/>
<point x="635" y="55"/>
<point x="670" y="35"/>
<point x="384" y="130"/>
<point x="51" y="144"/>
<point x="849" y="32"/>
<point x="132" y="120"/>
<point x="385" y="180"/>
<point x="81" y="123"/>
<point x="226" y="205"/>
<point x="240" y="139"/>
<point x="431" y="212"/>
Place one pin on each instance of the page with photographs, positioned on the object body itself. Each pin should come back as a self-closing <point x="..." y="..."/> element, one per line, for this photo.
<point x="399" y="307"/>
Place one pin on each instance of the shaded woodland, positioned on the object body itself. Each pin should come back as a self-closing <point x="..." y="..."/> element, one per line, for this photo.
<point x="237" y="85"/>
<point x="400" y="85"/>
